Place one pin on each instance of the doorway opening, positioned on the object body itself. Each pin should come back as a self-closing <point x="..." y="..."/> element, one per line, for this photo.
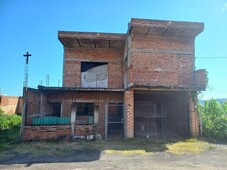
<point x="114" y="121"/>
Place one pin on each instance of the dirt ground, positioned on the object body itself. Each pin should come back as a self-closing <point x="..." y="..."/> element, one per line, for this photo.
<point x="216" y="158"/>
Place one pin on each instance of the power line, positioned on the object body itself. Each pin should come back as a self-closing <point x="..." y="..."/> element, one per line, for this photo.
<point x="210" y="57"/>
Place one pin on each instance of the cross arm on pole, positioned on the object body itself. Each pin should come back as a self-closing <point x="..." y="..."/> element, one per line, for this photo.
<point x="27" y="55"/>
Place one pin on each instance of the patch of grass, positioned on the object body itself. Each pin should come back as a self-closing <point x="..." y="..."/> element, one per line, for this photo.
<point x="10" y="144"/>
<point x="128" y="144"/>
<point x="134" y="146"/>
<point x="128" y="152"/>
<point x="9" y="138"/>
<point x="188" y="146"/>
<point x="44" y="148"/>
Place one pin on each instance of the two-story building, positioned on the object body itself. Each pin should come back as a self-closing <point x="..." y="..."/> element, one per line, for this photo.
<point x="142" y="83"/>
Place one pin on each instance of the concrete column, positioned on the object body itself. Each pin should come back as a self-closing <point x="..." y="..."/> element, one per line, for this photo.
<point x="193" y="114"/>
<point x="73" y="120"/>
<point x="106" y="120"/>
<point x="96" y="115"/>
<point x="23" y="119"/>
<point x="42" y="103"/>
<point x="129" y="113"/>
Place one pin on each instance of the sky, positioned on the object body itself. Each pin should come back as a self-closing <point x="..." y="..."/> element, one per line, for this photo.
<point x="32" y="25"/>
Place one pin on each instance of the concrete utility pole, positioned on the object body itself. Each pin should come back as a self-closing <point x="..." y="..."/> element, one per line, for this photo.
<point x="27" y="55"/>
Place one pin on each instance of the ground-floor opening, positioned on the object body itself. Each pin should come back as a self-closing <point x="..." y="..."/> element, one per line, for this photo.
<point x="114" y="121"/>
<point x="161" y="114"/>
<point x="55" y="114"/>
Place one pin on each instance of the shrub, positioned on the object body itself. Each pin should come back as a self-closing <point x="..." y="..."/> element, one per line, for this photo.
<point x="214" y="116"/>
<point x="9" y="121"/>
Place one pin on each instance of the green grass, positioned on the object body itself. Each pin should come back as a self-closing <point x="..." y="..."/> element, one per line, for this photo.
<point x="188" y="146"/>
<point x="10" y="144"/>
<point x="9" y="139"/>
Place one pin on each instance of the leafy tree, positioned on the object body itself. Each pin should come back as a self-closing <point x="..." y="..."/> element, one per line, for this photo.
<point x="214" y="116"/>
<point x="8" y="121"/>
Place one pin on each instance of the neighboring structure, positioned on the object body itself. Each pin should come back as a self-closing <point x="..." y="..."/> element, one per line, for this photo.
<point x="11" y="104"/>
<point x="142" y="83"/>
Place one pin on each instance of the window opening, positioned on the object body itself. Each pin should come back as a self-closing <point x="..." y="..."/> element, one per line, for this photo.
<point x="94" y="74"/>
<point x="85" y="113"/>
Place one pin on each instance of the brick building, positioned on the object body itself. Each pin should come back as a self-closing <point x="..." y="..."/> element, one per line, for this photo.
<point x="11" y="104"/>
<point x="141" y="83"/>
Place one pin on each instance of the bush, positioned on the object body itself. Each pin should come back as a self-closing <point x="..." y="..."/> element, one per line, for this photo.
<point x="9" y="121"/>
<point x="214" y="116"/>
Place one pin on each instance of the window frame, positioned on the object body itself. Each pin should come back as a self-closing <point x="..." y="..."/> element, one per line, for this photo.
<point x="85" y="109"/>
<point x="84" y="70"/>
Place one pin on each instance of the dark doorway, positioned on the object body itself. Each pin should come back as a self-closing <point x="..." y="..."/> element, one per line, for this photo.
<point x="115" y="121"/>
<point x="161" y="114"/>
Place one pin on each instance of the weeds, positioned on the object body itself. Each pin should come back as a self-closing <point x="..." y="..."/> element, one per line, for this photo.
<point x="8" y="121"/>
<point x="10" y="144"/>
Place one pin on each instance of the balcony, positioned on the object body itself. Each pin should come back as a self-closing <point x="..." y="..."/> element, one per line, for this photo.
<point x="164" y="80"/>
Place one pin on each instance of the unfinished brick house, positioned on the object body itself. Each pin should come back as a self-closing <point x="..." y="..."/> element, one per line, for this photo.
<point x="139" y="84"/>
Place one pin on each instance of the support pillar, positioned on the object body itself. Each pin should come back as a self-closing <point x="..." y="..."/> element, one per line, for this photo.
<point x="193" y="114"/>
<point x="23" y="119"/>
<point x="73" y="119"/>
<point x="129" y="113"/>
<point x="96" y="120"/>
<point x="43" y="103"/>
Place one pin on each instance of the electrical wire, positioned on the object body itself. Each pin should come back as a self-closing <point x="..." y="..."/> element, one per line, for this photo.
<point x="210" y="57"/>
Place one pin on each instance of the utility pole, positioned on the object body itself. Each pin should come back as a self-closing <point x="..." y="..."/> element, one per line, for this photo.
<point x="23" y="123"/>
<point x="27" y="55"/>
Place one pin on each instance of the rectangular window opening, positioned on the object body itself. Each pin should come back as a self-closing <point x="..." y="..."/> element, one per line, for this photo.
<point x="94" y="74"/>
<point x="55" y="109"/>
<point x="85" y="113"/>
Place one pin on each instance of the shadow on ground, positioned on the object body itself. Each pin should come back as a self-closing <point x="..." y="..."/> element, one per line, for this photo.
<point x="79" y="151"/>
<point x="74" y="156"/>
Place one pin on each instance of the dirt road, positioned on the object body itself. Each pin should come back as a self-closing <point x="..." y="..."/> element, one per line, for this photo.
<point x="94" y="159"/>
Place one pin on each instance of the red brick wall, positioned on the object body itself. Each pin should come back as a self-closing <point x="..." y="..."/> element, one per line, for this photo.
<point x="140" y="41"/>
<point x="72" y="74"/>
<point x="54" y="132"/>
<point x="72" y="67"/>
<point x="19" y="108"/>
<point x="84" y="130"/>
<point x="11" y="104"/>
<point x="161" y="61"/>
<point x="45" y="132"/>
<point x="129" y="113"/>
<point x="200" y="78"/>
<point x="33" y="101"/>
<point x="193" y="114"/>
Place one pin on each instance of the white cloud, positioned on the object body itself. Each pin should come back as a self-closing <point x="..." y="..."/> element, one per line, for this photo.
<point x="224" y="8"/>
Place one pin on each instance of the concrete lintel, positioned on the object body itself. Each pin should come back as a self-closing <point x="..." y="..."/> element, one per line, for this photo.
<point x="88" y="60"/>
<point x="179" y="52"/>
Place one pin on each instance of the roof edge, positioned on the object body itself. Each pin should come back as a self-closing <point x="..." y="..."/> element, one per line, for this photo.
<point x="91" y="35"/>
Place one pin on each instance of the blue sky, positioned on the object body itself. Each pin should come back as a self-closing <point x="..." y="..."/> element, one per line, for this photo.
<point x="32" y="25"/>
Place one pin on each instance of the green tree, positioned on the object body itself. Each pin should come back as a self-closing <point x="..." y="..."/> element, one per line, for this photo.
<point x="8" y="121"/>
<point x="214" y="116"/>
